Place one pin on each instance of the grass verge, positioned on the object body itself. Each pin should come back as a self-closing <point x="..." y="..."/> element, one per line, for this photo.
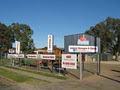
<point x="40" y="73"/>
<point x="21" y="78"/>
<point x="4" y="62"/>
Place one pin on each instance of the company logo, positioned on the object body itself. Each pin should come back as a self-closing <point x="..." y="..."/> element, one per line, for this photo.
<point x="68" y="56"/>
<point x="83" y="41"/>
<point x="73" y="48"/>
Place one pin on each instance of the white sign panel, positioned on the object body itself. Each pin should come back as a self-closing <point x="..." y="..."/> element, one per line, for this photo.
<point x="11" y="51"/>
<point x="47" y="57"/>
<point x="50" y="43"/>
<point x="32" y="56"/>
<point x="10" y="56"/>
<point x="17" y="47"/>
<point x="83" y="49"/>
<point x="20" y="56"/>
<point x="69" y="61"/>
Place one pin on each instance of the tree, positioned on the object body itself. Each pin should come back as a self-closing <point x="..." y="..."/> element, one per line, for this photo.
<point x="109" y="33"/>
<point x="23" y="33"/>
<point x="6" y="37"/>
<point x="114" y="25"/>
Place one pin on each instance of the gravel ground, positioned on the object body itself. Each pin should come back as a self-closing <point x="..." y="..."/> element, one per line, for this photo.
<point x="109" y="79"/>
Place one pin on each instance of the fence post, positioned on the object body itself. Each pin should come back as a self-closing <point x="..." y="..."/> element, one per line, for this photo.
<point x="59" y="63"/>
<point x="99" y="64"/>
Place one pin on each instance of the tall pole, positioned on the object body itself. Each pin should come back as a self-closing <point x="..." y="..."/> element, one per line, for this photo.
<point x="99" y="64"/>
<point x="80" y="67"/>
<point x="52" y="66"/>
<point x="59" y="63"/>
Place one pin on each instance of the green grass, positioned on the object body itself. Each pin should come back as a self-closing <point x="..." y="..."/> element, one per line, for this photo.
<point x="20" y="78"/>
<point x="4" y="62"/>
<point x="30" y="61"/>
<point x="40" y="73"/>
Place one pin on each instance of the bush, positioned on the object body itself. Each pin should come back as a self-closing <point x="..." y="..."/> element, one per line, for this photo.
<point x="30" y="61"/>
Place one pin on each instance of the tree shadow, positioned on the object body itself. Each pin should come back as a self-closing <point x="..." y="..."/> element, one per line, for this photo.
<point x="92" y="72"/>
<point x="116" y="71"/>
<point x="110" y="78"/>
<point x="59" y="69"/>
<point x="73" y="75"/>
<point x="47" y="68"/>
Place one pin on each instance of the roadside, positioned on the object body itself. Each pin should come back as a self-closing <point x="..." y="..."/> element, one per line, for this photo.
<point x="109" y="79"/>
<point x="110" y="62"/>
<point x="53" y="80"/>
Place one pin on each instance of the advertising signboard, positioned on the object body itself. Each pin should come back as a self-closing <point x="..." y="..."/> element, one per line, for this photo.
<point x="69" y="61"/>
<point x="41" y="56"/>
<point x="10" y="56"/>
<point x="17" y="47"/>
<point x="20" y="56"/>
<point x="11" y="51"/>
<point x="47" y="56"/>
<point x="50" y="43"/>
<point x="83" y="49"/>
<point x="77" y="42"/>
<point x="32" y="56"/>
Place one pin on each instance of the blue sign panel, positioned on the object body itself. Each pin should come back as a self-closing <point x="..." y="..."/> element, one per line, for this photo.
<point x="81" y="40"/>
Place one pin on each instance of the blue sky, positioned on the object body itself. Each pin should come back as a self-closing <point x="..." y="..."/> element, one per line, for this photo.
<point x="57" y="17"/>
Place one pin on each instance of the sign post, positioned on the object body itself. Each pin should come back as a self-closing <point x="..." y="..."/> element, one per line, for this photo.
<point x="69" y="61"/>
<point x="59" y="63"/>
<point x="18" y="49"/>
<point x="50" y="46"/>
<point x="50" y="43"/>
<point x="99" y="64"/>
<point x="82" y="44"/>
<point x="80" y="67"/>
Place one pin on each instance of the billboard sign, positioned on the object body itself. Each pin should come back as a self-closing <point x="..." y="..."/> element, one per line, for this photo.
<point x="11" y="51"/>
<point x="41" y="56"/>
<point x="17" y="47"/>
<point x="73" y="43"/>
<point x="20" y="56"/>
<point x="10" y="56"/>
<point x="50" y="43"/>
<point x="83" y="49"/>
<point x="69" y="61"/>
<point x="47" y="56"/>
<point x="32" y="56"/>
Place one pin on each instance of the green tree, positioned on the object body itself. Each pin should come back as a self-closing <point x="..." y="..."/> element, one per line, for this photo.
<point x="109" y="33"/>
<point x="23" y="33"/>
<point x="6" y="37"/>
<point x="114" y="25"/>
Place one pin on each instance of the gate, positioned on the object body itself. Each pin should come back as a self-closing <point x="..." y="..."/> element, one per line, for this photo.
<point x="90" y="64"/>
<point x="87" y="65"/>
